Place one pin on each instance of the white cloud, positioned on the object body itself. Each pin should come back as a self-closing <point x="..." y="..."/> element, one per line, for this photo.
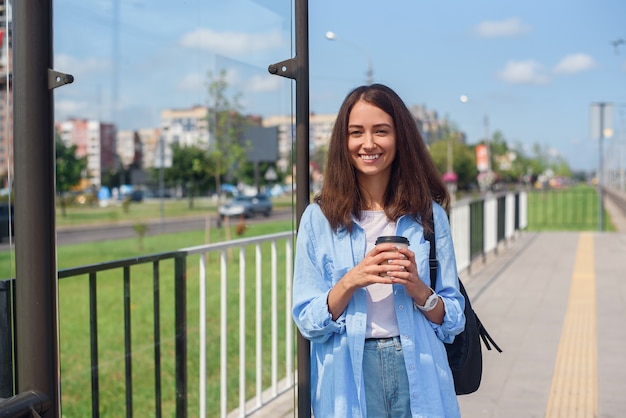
<point x="263" y="84"/>
<point x="231" y="43"/>
<point x="574" y="63"/>
<point x="192" y="82"/>
<point x="69" y="107"/>
<point x="77" y="67"/>
<point x="502" y="28"/>
<point x="64" y="109"/>
<point x="255" y="84"/>
<point x="524" y="72"/>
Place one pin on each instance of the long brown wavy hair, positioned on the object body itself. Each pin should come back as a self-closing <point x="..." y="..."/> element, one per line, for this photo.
<point x="415" y="181"/>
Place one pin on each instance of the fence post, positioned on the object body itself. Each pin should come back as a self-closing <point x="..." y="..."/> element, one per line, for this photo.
<point x="180" y="297"/>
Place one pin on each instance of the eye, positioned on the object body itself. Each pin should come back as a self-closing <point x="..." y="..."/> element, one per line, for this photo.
<point x="382" y="132"/>
<point x="355" y="132"/>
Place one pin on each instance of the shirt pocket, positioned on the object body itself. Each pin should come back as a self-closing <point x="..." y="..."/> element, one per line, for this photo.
<point x="422" y="255"/>
<point x="335" y="273"/>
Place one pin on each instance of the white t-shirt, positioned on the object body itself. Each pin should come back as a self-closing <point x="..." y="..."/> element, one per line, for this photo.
<point x="381" y="312"/>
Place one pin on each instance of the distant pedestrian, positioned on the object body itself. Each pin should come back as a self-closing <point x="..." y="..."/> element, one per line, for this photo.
<point x="376" y="327"/>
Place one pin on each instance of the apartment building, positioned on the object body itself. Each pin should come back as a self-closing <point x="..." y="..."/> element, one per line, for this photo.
<point x="94" y="140"/>
<point x="320" y="127"/>
<point x="129" y="148"/>
<point x="186" y="127"/>
<point x="150" y="140"/>
<point x="428" y="123"/>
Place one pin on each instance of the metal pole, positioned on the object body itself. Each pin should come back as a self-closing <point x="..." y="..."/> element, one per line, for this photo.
<point x="302" y="180"/>
<point x="35" y="255"/>
<point x="600" y="170"/>
<point x="621" y="144"/>
<point x="161" y="182"/>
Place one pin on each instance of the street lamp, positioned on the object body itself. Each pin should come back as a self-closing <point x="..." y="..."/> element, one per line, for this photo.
<point x="332" y="37"/>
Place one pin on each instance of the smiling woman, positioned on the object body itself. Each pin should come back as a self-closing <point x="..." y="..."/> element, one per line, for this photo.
<point x="351" y="292"/>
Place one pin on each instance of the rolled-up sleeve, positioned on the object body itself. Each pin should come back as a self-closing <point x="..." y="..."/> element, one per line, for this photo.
<point x="311" y="286"/>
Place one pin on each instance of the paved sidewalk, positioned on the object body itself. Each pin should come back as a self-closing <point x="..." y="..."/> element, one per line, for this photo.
<point x="522" y="295"/>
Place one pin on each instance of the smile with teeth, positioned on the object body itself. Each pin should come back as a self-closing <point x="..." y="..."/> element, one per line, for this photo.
<point x="369" y="157"/>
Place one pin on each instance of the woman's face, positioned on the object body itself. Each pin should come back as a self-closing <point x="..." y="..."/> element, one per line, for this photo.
<point x="371" y="140"/>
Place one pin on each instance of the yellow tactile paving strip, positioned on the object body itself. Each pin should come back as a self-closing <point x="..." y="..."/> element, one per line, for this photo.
<point x="574" y="391"/>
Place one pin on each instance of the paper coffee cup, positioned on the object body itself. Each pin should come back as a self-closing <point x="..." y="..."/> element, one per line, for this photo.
<point x="397" y="240"/>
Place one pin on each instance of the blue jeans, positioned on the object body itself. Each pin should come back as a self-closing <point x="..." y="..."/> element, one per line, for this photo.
<point x="386" y="382"/>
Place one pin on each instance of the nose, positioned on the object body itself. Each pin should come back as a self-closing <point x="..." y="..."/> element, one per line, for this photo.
<point x="368" y="140"/>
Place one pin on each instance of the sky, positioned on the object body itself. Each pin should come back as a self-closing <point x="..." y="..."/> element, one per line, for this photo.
<point x="531" y="70"/>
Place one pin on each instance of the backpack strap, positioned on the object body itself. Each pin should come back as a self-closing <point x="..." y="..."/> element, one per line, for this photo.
<point x="432" y="261"/>
<point x="432" y="258"/>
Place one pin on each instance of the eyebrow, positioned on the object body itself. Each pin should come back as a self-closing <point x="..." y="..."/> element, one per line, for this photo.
<point x="378" y="125"/>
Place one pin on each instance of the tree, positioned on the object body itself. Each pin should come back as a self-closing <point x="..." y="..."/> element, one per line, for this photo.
<point x="463" y="157"/>
<point x="319" y="157"/>
<point x="227" y="125"/>
<point x="69" y="169"/>
<point x="191" y="168"/>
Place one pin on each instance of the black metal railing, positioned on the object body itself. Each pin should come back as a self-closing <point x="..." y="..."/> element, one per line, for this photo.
<point x="180" y="307"/>
<point x="28" y="404"/>
<point x="7" y="386"/>
<point x="477" y="228"/>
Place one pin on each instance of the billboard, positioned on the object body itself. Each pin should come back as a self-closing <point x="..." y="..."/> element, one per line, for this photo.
<point x="262" y="144"/>
<point x="482" y="157"/>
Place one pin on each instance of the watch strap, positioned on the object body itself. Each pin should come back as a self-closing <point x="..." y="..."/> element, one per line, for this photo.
<point x="430" y="303"/>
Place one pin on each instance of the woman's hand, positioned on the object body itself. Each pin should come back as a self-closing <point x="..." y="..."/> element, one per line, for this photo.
<point x="415" y="287"/>
<point x="405" y="273"/>
<point x="374" y="268"/>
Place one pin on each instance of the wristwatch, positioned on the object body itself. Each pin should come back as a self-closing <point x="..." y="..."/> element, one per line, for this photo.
<point x="430" y="303"/>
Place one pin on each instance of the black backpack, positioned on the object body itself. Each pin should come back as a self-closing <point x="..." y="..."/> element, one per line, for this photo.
<point x="464" y="353"/>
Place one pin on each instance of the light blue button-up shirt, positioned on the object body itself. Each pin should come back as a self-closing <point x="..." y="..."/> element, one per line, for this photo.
<point x="323" y="257"/>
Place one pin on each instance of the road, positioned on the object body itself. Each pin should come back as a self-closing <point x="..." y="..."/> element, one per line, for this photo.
<point x="77" y="235"/>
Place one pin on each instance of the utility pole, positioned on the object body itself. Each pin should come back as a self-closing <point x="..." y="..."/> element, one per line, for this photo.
<point x="602" y="117"/>
<point x="600" y="169"/>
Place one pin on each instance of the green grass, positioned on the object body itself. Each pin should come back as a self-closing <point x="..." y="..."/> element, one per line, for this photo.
<point x="74" y="323"/>
<point x="74" y="326"/>
<point x="569" y="209"/>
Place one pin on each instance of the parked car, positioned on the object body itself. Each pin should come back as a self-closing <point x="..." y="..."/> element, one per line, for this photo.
<point x="246" y="206"/>
<point x="136" y="196"/>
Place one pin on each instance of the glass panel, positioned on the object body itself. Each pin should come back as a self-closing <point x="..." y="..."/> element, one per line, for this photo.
<point x="171" y="114"/>
<point x="7" y="269"/>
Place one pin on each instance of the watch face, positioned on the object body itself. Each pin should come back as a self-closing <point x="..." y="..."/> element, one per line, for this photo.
<point x="430" y="303"/>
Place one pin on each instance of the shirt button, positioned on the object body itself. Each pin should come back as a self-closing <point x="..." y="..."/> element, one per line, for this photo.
<point x="412" y="367"/>
<point x="415" y="395"/>
<point x="401" y="307"/>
